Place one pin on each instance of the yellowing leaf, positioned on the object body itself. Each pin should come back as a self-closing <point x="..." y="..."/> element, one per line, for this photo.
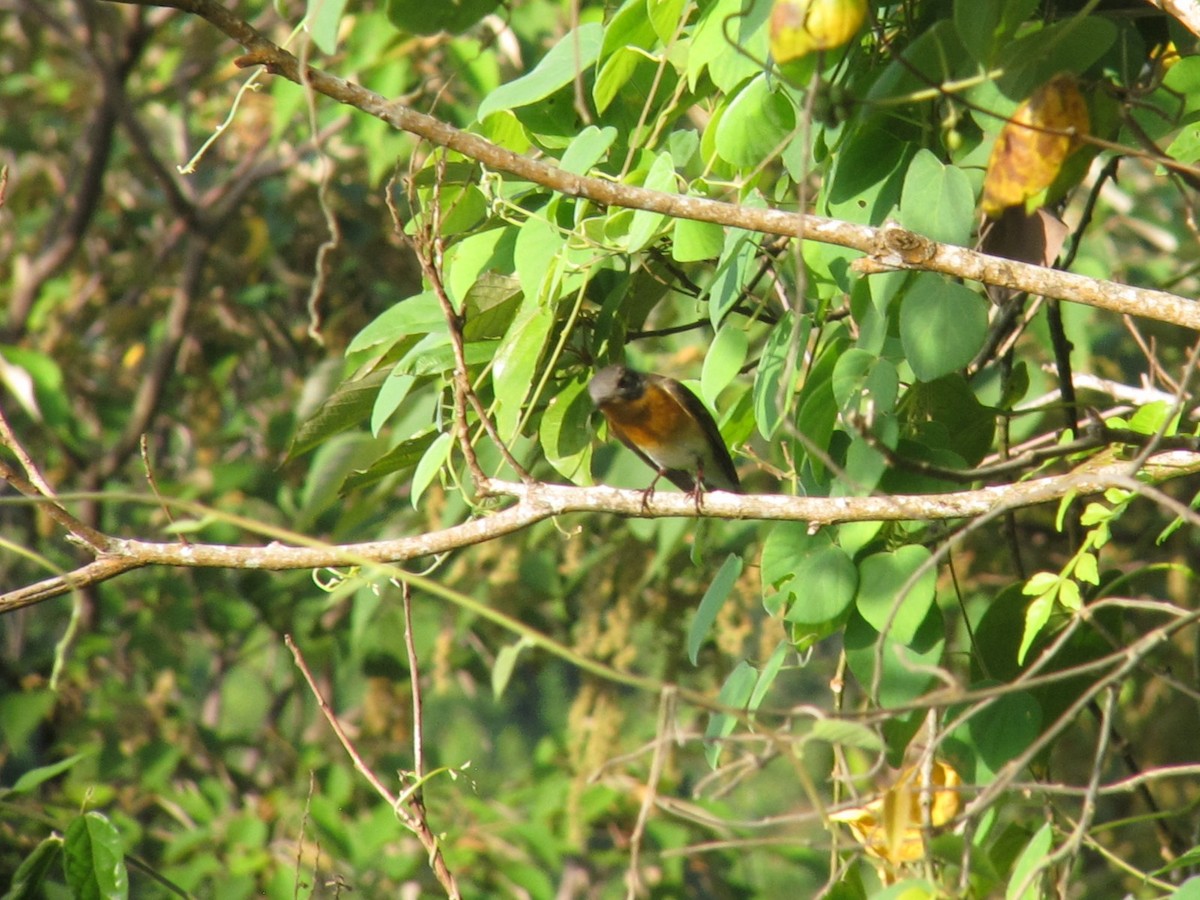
<point x="1034" y="144"/>
<point x="889" y="828"/>
<point x="798" y="27"/>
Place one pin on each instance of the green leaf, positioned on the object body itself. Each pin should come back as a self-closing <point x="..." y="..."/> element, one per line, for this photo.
<point x="1095" y="513"/>
<point x="723" y="361"/>
<point x="1002" y="731"/>
<point x="695" y="241"/>
<point x="822" y="587"/>
<point x="937" y="201"/>
<point x="327" y="471"/>
<point x="628" y="27"/>
<point x="431" y="463"/>
<point x="845" y="733"/>
<point x="537" y="246"/>
<point x="817" y="412"/>
<point x="732" y="271"/>
<point x="1184" y="861"/>
<point x="1040" y="582"/>
<point x="882" y="576"/>
<point x="36" y="381"/>
<point x="587" y="148"/>
<point x="31" y="779"/>
<point x="646" y="226"/>
<point x="721" y="30"/>
<point x="469" y="259"/>
<point x="735" y="694"/>
<point x="785" y="546"/>
<point x="906" y="668"/>
<point x="1030" y="860"/>
<point x="1155" y="417"/>
<point x="322" y="19"/>
<point x="864" y="383"/>
<point x="909" y="889"/>
<point x="664" y="16"/>
<point x="575" y="51"/>
<point x="350" y="405"/>
<point x="1036" y="618"/>
<point x="957" y="421"/>
<point x="942" y="325"/>
<point x="453" y="16"/>
<point x="865" y="182"/>
<point x="506" y="662"/>
<point x="864" y="469"/>
<point x="714" y="598"/>
<point x="93" y="859"/>
<point x="1087" y="568"/>
<point x="767" y="676"/>
<point x="985" y="25"/>
<point x="516" y="363"/>
<point x="27" y="881"/>
<point x="490" y="305"/>
<point x="772" y="403"/>
<point x="1068" y="46"/>
<point x="1069" y="595"/>
<point x="615" y="73"/>
<point x="419" y="314"/>
<point x="403" y="456"/>
<point x="564" y="433"/>
<point x="391" y="394"/>
<point x="756" y="125"/>
<point x="1189" y="890"/>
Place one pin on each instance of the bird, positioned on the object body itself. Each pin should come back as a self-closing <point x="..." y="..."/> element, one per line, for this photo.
<point x="666" y="425"/>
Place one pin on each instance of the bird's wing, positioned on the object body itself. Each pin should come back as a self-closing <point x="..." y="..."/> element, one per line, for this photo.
<point x="727" y="478"/>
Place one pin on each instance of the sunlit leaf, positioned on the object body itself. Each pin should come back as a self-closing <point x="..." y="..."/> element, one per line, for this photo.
<point x="890" y="828"/>
<point x="93" y="859"/>
<point x="799" y="27"/>
<point x="1034" y="144"/>
<point x="714" y="598"/>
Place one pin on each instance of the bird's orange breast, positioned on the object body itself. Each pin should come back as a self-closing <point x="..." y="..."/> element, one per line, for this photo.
<point x="653" y="421"/>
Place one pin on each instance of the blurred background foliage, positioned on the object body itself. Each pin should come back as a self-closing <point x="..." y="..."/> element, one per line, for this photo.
<point x="192" y="329"/>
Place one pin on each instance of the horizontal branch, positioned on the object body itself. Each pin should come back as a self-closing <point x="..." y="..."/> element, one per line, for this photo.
<point x="536" y="502"/>
<point x="888" y="247"/>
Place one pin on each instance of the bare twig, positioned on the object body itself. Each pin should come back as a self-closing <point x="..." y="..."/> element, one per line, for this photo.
<point x="153" y="482"/>
<point x="666" y="722"/>
<point x="37" y="488"/>
<point x="413" y="820"/>
<point x="66" y="229"/>
<point x="415" y="676"/>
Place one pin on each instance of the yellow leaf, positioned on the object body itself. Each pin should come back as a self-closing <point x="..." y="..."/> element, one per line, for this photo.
<point x="798" y="27"/>
<point x="1034" y="144"/>
<point x="890" y="827"/>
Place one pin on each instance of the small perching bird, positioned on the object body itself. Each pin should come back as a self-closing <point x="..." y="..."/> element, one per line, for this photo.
<point x="667" y="426"/>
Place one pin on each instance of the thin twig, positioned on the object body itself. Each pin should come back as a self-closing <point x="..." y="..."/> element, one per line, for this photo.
<point x="414" y="820"/>
<point x="415" y="676"/>
<point x="666" y="719"/>
<point x="37" y="488"/>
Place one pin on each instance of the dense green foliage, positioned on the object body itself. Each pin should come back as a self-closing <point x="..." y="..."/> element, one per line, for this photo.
<point x="661" y="706"/>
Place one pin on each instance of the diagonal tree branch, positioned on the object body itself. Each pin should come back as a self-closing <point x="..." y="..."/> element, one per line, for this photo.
<point x="889" y="247"/>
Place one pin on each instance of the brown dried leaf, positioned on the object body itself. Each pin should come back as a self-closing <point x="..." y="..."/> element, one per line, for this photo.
<point x="1036" y="237"/>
